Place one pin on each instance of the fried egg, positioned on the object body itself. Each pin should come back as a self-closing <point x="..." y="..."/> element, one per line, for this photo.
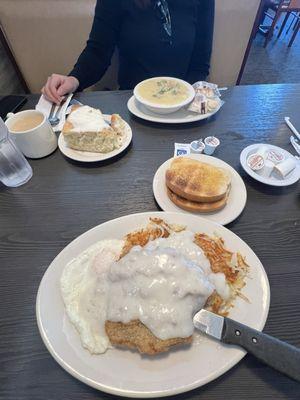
<point x="84" y="290"/>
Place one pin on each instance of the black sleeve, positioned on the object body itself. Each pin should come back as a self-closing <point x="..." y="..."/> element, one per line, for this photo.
<point x="96" y="57"/>
<point x="200" y="61"/>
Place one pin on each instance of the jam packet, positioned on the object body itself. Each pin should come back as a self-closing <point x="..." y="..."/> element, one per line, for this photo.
<point x="207" y="98"/>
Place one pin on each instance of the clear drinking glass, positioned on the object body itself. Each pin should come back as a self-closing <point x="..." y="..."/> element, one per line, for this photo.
<point x="14" y="168"/>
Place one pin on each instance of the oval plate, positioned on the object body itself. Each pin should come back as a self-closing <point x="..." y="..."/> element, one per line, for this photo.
<point x="236" y="200"/>
<point x="290" y="179"/>
<point x="86" y="156"/>
<point x="127" y="373"/>
<point x="182" y="116"/>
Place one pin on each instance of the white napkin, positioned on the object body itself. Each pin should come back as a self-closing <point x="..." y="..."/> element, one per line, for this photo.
<point x="44" y="106"/>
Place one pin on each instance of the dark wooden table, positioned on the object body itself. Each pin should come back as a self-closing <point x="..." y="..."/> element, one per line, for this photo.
<point x="64" y="199"/>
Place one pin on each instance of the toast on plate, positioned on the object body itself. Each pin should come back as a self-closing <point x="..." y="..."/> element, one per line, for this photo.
<point x="194" y="206"/>
<point x="197" y="181"/>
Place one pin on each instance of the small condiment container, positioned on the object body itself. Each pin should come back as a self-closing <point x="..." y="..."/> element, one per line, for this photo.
<point x="211" y="143"/>
<point x="197" y="146"/>
<point x="262" y="151"/>
<point x="267" y="169"/>
<point x="256" y="162"/>
<point x="285" y="167"/>
<point x="275" y="156"/>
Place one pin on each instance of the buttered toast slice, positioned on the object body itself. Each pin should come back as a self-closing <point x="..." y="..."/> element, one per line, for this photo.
<point x="197" y="181"/>
<point x="194" y="206"/>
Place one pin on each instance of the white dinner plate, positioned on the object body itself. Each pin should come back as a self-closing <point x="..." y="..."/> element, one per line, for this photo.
<point x="181" y="116"/>
<point x="236" y="200"/>
<point x="86" y="156"/>
<point x="273" y="180"/>
<point x="127" y="373"/>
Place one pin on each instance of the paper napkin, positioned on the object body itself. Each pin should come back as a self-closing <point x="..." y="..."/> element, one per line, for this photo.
<point x="45" y="106"/>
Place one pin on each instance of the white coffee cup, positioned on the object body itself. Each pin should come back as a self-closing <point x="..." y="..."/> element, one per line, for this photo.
<point x="37" y="142"/>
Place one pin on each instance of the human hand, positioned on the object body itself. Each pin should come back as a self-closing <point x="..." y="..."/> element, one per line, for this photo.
<point x="59" y="85"/>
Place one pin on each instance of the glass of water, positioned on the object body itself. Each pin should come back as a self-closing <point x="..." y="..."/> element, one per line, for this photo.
<point x="14" y="168"/>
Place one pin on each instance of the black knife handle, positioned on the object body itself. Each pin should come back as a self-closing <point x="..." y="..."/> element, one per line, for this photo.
<point x="277" y="354"/>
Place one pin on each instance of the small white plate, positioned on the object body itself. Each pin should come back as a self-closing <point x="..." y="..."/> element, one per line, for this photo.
<point x="236" y="201"/>
<point x="86" y="156"/>
<point x="127" y="373"/>
<point x="179" y="117"/>
<point x="290" y="179"/>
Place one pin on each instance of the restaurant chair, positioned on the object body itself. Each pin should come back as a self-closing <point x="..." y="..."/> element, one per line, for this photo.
<point x="267" y="6"/>
<point x="284" y="6"/>
<point x="296" y="30"/>
<point x="294" y="23"/>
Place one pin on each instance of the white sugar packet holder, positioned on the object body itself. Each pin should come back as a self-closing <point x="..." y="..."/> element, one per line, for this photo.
<point x="45" y="106"/>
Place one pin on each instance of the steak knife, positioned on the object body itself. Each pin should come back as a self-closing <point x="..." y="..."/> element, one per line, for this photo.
<point x="277" y="354"/>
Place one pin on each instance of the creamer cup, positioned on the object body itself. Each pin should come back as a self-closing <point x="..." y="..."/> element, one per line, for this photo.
<point x="211" y="143"/>
<point x="275" y="156"/>
<point x="267" y="170"/>
<point x="197" y="147"/>
<point x="255" y="162"/>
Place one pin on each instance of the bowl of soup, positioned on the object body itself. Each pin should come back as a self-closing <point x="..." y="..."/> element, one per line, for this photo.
<point x="164" y="95"/>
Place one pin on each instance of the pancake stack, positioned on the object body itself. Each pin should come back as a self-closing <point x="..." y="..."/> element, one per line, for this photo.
<point x="197" y="186"/>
